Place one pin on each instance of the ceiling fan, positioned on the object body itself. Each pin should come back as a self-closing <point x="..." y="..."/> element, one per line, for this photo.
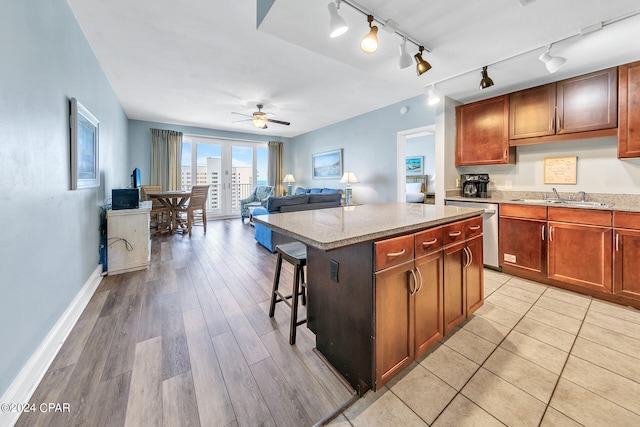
<point x="260" y="118"/>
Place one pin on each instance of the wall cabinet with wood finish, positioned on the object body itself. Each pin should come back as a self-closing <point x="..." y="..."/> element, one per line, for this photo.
<point x="629" y="110"/>
<point x="482" y="133"/>
<point x="581" y="107"/>
<point x="626" y="254"/>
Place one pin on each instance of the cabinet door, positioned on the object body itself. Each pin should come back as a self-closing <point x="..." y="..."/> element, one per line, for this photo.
<point x="394" y="341"/>
<point x="626" y="269"/>
<point x="532" y="112"/>
<point x="454" y="294"/>
<point x="474" y="275"/>
<point x="581" y="255"/>
<point x="588" y="102"/>
<point x="428" y="302"/>
<point x="523" y="245"/>
<point x="629" y="110"/>
<point x="482" y="136"/>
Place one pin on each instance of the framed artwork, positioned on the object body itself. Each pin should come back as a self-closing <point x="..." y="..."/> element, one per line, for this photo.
<point x="560" y="170"/>
<point x="327" y="165"/>
<point x="414" y="165"/>
<point x="85" y="148"/>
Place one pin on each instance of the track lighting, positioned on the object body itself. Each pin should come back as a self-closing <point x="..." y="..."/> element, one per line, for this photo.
<point x="369" y="43"/>
<point x="337" y="25"/>
<point x="434" y="97"/>
<point x="405" y="59"/>
<point x="422" y="66"/>
<point x="486" y="80"/>
<point x="553" y="63"/>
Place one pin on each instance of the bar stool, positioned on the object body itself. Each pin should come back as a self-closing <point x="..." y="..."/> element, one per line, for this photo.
<point x="296" y="254"/>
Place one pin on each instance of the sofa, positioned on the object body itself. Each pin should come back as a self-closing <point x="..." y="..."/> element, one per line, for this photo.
<point x="301" y="200"/>
<point x="258" y="197"/>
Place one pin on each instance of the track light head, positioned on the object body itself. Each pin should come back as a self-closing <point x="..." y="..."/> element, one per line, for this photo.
<point x="405" y="59"/>
<point x="553" y="63"/>
<point x="486" y="80"/>
<point x="337" y="25"/>
<point x="434" y="97"/>
<point x="369" y="43"/>
<point x="422" y="66"/>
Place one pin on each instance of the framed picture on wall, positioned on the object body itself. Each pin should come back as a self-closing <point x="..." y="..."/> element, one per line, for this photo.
<point x="414" y="165"/>
<point x="327" y="165"/>
<point x="85" y="149"/>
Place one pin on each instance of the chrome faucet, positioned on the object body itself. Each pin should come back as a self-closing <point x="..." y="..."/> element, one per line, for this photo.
<point x="556" y="193"/>
<point x="583" y="196"/>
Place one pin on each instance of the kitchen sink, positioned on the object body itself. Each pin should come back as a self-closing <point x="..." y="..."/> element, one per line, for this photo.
<point x="576" y="203"/>
<point x="586" y="204"/>
<point x="536" y="201"/>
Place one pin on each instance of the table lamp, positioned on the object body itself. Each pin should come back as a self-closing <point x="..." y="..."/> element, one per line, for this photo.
<point x="349" y="178"/>
<point x="289" y="179"/>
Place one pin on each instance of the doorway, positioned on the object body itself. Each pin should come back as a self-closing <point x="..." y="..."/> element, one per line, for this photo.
<point x="419" y="142"/>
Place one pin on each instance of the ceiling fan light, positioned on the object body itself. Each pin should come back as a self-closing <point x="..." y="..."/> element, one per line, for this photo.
<point x="260" y="120"/>
<point x="369" y="43"/>
<point x="552" y="63"/>
<point x="405" y="59"/>
<point x="422" y="66"/>
<point x="486" y="80"/>
<point x="337" y="25"/>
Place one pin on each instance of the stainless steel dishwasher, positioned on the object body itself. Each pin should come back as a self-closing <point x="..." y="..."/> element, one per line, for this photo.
<point x="489" y="229"/>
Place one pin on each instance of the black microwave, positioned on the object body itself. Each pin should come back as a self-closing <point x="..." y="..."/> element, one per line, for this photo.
<point x="125" y="198"/>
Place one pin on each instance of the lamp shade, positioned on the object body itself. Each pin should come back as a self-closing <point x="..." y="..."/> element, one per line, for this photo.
<point x="337" y="25"/>
<point x="405" y="59"/>
<point x="349" y="178"/>
<point x="369" y="43"/>
<point x="422" y="66"/>
<point x="486" y="80"/>
<point x="289" y="178"/>
<point x="553" y="63"/>
<point x="434" y="98"/>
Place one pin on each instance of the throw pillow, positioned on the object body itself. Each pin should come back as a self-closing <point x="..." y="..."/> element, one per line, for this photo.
<point x="301" y="190"/>
<point x="324" y="198"/>
<point x="274" y="203"/>
<point x="330" y="191"/>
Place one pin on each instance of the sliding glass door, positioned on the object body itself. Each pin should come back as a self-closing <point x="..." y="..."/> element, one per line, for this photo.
<point x="231" y="167"/>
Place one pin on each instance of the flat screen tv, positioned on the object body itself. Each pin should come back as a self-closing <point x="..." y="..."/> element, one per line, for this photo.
<point x="135" y="178"/>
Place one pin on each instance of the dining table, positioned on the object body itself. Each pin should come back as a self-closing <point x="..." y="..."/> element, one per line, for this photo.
<point x="172" y="200"/>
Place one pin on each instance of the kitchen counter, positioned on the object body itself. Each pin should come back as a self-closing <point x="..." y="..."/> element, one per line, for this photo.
<point x="621" y="202"/>
<point x="332" y="228"/>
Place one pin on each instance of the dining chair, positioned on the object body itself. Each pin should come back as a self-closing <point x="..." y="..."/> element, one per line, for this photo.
<point x="160" y="214"/>
<point x="196" y="209"/>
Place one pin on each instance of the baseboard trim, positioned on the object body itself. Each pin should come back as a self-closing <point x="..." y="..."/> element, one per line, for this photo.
<point x="25" y="384"/>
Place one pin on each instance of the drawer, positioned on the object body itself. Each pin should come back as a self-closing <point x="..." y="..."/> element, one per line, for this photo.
<point x="629" y="220"/>
<point x="523" y="211"/>
<point x="428" y="240"/>
<point x="473" y="227"/>
<point x="454" y="232"/>
<point x="581" y="216"/>
<point x="393" y="251"/>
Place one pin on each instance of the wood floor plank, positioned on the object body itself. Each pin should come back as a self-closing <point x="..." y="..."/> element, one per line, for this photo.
<point x="50" y="389"/>
<point x="249" y="404"/>
<point x="150" y="324"/>
<point x="246" y="337"/>
<point x="108" y="405"/>
<point x="216" y="322"/>
<point x="117" y="293"/>
<point x="144" y="404"/>
<point x="175" y="355"/>
<point x="188" y="296"/>
<point x="214" y="403"/>
<point x="179" y="407"/>
<point x="282" y="399"/>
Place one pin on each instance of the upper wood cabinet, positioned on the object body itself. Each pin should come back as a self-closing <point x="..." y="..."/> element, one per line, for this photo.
<point x="482" y="136"/>
<point x="586" y="104"/>
<point x="629" y="110"/>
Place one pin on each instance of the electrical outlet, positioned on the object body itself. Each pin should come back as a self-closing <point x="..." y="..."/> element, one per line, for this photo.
<point x="334" y="266"/>
<point x="457" y="182"/>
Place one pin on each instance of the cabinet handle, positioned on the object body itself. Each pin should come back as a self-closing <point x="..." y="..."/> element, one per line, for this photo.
<point x="470" y="257"/>
<point x="397" y="253"/>
<point x="455" y="233"/>
<point x="419" y="275"/>
<point x="474" y="227"/>
<point x="543" y="227"/>
<point x="413" y="290"/>
<point x="430" y="242"/>
<point x="551" y="233"/>
<point x="617" y="239"/>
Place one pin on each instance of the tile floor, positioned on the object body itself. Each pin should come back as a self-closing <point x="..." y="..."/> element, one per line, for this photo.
<point x="531" y="356"/>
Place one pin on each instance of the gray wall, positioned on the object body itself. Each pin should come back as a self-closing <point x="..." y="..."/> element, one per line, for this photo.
<point x="369" y="144"/>
<point x="49" y="241"/>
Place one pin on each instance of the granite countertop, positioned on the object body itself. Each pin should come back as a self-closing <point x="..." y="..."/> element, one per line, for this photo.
<point x="613" y="202"/>
<point x="333" y="228"/>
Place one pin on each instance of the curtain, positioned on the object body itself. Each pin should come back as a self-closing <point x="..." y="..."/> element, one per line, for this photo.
<point x="276" y="166"/>
<point x="166" y="156"/>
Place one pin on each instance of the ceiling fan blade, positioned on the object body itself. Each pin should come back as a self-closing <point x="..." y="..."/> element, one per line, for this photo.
<point x="280" y="122"/>
<point x="241" y="114"/>
<point x="243" y="120"/>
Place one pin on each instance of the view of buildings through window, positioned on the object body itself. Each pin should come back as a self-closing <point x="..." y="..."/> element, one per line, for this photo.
<point x="227" y="166"/>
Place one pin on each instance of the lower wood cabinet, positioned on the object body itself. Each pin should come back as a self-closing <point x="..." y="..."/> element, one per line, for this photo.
<point x="523" y="243"/>
<point x="626" y="254"/>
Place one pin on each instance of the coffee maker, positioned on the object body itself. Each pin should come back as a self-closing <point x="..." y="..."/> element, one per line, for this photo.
<point x="474" y="185"/>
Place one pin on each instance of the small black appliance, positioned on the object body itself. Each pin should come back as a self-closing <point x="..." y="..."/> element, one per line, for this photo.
<point x="125" y="198"/>
<point x="475" y="185"/>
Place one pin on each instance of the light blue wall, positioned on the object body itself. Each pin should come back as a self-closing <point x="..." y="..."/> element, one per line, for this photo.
<point x="140" y="142"/>
<point x="50" y="238"/>
<point x="369" y="149"/>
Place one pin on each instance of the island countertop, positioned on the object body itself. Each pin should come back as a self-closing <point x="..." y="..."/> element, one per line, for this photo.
<point x="333" y="228"/>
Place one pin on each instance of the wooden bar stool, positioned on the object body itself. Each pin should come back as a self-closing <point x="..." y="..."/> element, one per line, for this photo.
<point x="296" y="254"/>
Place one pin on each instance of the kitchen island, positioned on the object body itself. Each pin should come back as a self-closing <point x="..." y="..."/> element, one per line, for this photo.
<point x="385" y="281"/>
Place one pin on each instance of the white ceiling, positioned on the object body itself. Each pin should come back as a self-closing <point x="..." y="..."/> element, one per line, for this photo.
<point x="193" y="62"/>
